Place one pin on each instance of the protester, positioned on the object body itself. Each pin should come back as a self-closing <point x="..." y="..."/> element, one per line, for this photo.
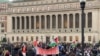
<point x="24" y="50"/>
<point x="7" y="53"/>
<point x="62" y="49"/>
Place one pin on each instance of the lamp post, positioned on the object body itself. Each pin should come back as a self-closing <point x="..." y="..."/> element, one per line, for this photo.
<point x="82" y="5"/>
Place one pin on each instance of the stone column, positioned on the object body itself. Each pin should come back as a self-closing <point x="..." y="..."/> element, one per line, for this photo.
<point x="86" y="20"/>
<point x="62" y="21"/>
<point x="30" y="23"/>
<point x="20" y="23"/>
<point x="73" y="20"/>
<point x="15" y="23"/>
<point x="45" y="22"/>
<point x="34" y="22"/>
<point x="80" y="20"/>
<point x="56" y="21"/>
<point x="50" y="22"/>
<point x="25" y="22"/>
<point x="40" y="22"/>
<point x="68" y="21"/>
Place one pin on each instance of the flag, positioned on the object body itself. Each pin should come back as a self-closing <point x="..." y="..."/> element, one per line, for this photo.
<point x="53" y="43"/>
<point x="56" y="39"/>
<point x="50" y="51"/>
<point x="73" y="44"/>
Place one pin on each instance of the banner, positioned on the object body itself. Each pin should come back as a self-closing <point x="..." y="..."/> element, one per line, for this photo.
<point x="50" y="51"/>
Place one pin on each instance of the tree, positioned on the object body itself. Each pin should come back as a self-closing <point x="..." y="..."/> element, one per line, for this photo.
<point x="4" y="40"/>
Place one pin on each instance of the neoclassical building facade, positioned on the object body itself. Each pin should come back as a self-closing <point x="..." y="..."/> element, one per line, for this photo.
<point x="43" y="20"/>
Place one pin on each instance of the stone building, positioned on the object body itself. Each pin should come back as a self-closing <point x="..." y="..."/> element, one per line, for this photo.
<point x="43" y="20"/>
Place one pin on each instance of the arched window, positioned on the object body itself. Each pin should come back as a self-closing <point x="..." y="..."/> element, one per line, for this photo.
<point x="64" y="38"/>
<point x="32" y="38"/>
<point x="76" y="37"/>
<point x="59" y="21"/>
<point x="65" y="20"/>
<point x="37" y="22"/>
<point x="22" y="39"/>
<point x="70" y="38"/>
<point x="48" y="21"/>
<point x="23" y="22"/>
<point x="47" y="39"/>
<point x="17" y="38"/>
<point x="71" y="20"/>
<point x="53" y="21"/>
<point x="26" y="38"/>
<point x="89" y="38"/>
<point x="32" y="22"/>
<point x="18" y="22"/>
<point x="2" y="24"/>
<point x="42" y="38"/>
<point x="27" y="22"/>
<point x="13" y="22"/>
<point x="89" y="19"/>
<point x="77" y="20"/>
<point x="37" y="38"/>
<point x="59" y="38"/>
<point x="42" y="22"/>
<point x="12" y="38"/>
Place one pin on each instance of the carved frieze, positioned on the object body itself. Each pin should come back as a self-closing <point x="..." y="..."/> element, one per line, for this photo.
<point x="49" y="7"/>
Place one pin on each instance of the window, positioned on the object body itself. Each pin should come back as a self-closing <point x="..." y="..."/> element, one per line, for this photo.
<point x="18" y="22"/>
<point x="22" y="22"/>
<point x="64" y="38"/>
<point x="59" y="38"/>
<point x="42" y="38"/>
<point x="76" y="38"/>
<point x="13" y="38"/>
<point x="17" y="38"/>
<point x="89" y="38"/>
<point x="42" y="22"/>
<point x="65" y="20"/>
<point x="59" y="21"/>
<point x="26" y="38"/>
<point x="2" y="30"/>
<point x="37" y="22"/>
<point x="27" y="22"/>
<point x="36" y="38"/>
<point x="90" y="19"/>
<point x="32" y="38"/>
<point x="13" y="22"/>
<point x="53" y="21"/>
<point x="47" y="39"/>
<point x="32" y="22"/>
<point x="76" y="20"/>
<point x="48" y="21"/>
<point x="71" y="20"/>
<point x="22" y="39"/>
<point x="70" y="38"/>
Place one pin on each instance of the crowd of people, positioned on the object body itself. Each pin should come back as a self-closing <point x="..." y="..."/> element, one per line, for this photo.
<point x="65" y="49"/>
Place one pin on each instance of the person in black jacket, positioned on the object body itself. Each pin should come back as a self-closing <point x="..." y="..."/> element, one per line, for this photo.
<point x="20" y="53"/>
<point x="30" y="52"/>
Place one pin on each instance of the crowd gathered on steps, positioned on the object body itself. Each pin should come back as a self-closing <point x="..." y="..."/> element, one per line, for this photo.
<point x="65" y="49"/>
